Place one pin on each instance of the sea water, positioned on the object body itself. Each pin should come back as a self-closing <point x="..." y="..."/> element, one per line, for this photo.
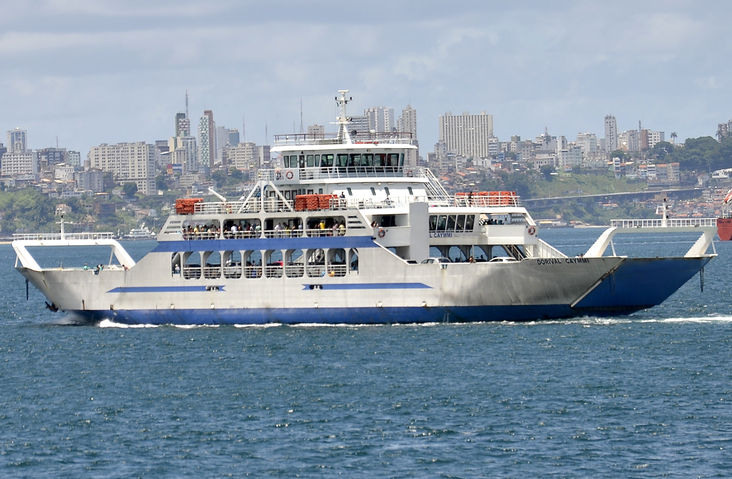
<point x="647" y="395"/>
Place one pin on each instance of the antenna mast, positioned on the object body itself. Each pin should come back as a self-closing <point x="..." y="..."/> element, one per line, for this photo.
<point x="343" y="120"/>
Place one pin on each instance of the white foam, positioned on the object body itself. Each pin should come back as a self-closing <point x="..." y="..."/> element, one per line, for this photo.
<point x="258" y="326"/>
<point x="108" y="323"/>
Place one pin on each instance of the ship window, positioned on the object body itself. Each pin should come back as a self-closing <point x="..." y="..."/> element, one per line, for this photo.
<point x="315" y="263"/>
<point x="373" y="191"/>
<point x="401" y="159"/>
<point x="379" y="159"/>
<point x="336" y="262"/>
<point x="253" y="262"/>
<point x="368" y="159"/>
<point x="460" y="225"/>
<point x="286" y="161"/>
<point x="311" y="160"/>
<point x="355" y="159"/>
<point x="232" y="264"/>
<point x="469" y="222"/>
<point x="302" y="161"/>
<point x="294" y="263"/>
<point x="393" y="159"/>
<point x="212" y="268"/>
<point x="386" y="190"/>
<point x="433" y="222"/>
<point x="175" y="264"/>
<point x="342" y="159"/>
<point x="273" y="261"/>
<point x="451" y="223"/>
<point x="481" y="252"/>
<point x="411" y="193"/>
<point x="350" y="191"/>
<point x="457" y="254"/>
<point x="353" y="260"/>
<point x="191" y="265"/>
<point x="441" y="222"/>
<point x="326" y="160"/>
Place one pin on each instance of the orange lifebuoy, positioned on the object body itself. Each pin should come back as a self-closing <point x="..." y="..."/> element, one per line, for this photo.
<point x="289" y="174"/>
<point x="382" y="232"/>
<point x="532" y="230"/>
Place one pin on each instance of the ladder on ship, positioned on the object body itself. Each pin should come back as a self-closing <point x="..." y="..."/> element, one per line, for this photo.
<point x="435" y="190"/>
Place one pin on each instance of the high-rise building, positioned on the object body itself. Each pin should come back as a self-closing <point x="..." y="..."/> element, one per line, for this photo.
<point x="20" y="164"/>
<point x="467" y="134"/>
<point x="182" y="125"/>
<point x="128" y="162"/>
<point x="243" y="156"/>
<point x="359" y="128"/>
<point x="407" y="123"/>
<point x="611" y="133"/>
<point x="225" y="137"/>
<point x="316" y="131"/>
<point x="17" y="140"/>
<point x="380" y="118"/>
<point x="207" y="139"/>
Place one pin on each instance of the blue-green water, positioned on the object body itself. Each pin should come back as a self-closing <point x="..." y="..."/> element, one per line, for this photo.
<point x="642" y="396"/>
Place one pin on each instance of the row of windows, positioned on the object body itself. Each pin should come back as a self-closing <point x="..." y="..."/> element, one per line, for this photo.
<point x="344" y="160"/>
<point x="460" y="223"/>
<point x="253" y="264"/>
<point x="273" y="228"/>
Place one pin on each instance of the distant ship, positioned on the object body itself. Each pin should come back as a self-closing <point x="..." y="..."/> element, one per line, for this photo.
<point x="141" y="233"/>
<point x="724" y="222"/>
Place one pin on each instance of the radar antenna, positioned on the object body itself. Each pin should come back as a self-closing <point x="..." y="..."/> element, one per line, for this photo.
<point x="343" y="120"/>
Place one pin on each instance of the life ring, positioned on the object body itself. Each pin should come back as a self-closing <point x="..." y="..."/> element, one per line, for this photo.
<point x="382" y="232"/>
<point x="278" y="175"/>
<point x="532" y="230"/>
<point x="289" y="174"/>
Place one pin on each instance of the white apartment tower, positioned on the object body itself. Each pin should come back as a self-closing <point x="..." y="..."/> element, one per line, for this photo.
<point x="128" y="162"/>
<point x="467" y="135"/>
<point x="380" y="118"/>
<point x="611" y="133"/>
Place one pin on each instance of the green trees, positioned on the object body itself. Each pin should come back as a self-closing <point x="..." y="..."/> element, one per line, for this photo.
<point x="23" y="211"/>
<point x="703" y="154"/>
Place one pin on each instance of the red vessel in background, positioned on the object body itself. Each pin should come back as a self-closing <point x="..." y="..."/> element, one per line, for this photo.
<point x="724" y="222"/>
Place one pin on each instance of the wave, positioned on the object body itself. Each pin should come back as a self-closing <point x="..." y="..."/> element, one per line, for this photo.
<point x="108" y="323"/>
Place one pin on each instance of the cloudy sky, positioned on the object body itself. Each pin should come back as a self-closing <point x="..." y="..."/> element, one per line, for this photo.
<point x="107" y="71"/>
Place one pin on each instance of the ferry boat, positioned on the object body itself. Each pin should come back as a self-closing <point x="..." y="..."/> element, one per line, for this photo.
<point x="343" y="231"/>
<point x="724" y="222"/>
<point x="141" y="233"/>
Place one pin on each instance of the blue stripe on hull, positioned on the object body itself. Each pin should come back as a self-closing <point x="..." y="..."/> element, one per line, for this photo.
<point x="641" y="283"/>
<point x="334" y="315"/>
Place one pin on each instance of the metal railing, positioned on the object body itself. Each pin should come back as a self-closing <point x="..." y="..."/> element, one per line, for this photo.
<point x="660" y="223"/>
<point x="89" y="235"/>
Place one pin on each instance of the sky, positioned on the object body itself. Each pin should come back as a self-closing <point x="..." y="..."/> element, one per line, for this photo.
<point x="107" y="71"/>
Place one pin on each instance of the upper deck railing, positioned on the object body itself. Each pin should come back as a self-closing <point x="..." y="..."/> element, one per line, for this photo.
<point x="660" y="223"/>
<point x="89" y="235"/>
<point x="381" y="137"/>
<point x="294" y="175"/>
<point x="273" y="205"/>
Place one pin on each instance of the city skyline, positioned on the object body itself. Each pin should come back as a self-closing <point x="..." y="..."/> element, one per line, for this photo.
<point x="96" y="72"/>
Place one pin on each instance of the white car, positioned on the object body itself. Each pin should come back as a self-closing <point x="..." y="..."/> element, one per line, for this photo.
<point x="503" y="259"/>
<point x="441" y="259"/>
